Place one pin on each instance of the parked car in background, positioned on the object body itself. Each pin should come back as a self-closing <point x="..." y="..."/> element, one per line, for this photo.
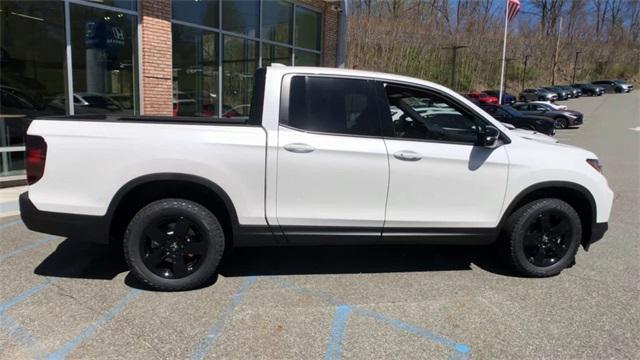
<point x="507" y="99"/>
<point x="576" y="93"/>
<point x="562" y="94"/>
<point x="614" y="86"/>
<point x="562" y="118"/>
<point x="589" y="89"/>
<point x="509" y="115"/>
<point x="625" y="84"/>
<point x="553" y="105"/>
<point x="534" y="94"/>
<point x="482" y="97"/>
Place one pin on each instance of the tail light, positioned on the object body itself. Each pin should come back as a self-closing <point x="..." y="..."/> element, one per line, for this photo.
<point x="36" y="155"/>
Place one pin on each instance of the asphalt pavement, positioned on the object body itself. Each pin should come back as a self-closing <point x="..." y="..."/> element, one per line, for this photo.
<point x="62" y="298"/>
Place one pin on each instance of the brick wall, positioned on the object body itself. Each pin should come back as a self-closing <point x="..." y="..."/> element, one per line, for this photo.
<point x="156" y="57"/>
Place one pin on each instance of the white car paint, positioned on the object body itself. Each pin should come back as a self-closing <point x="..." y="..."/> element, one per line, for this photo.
<point x="345" y="181"/>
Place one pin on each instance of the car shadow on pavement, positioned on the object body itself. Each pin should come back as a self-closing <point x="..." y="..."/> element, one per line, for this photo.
<point x="360" y="259"/>
<point x="102" y="262"/>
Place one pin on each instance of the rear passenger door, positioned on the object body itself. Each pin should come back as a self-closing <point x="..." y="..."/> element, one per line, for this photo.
<point x="332" y="172"/>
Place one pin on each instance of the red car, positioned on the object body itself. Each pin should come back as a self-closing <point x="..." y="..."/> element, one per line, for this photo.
<point x="482" y="98"/>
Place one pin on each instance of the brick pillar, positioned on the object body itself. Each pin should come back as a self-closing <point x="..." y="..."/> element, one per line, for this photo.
<point x="330" y="35"/>
<point x="156" y="57"/>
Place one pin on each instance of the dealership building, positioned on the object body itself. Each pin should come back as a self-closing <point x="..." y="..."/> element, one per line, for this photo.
<point x="148" y="57"/>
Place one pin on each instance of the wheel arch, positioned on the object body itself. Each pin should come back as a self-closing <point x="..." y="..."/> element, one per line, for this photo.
<point x="572" y="193"/>
<point x="137" y="193"/>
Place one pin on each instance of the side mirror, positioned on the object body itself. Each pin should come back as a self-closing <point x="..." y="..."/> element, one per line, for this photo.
<point x="489" y="137"/>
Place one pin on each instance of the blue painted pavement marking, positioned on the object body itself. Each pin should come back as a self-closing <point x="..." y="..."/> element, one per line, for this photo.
<point x="4" y="306"/>
<point x="203" y="347"/>
<point x="334" y="346"/>
<point x="9" y="224"/>
<point x="63" y="351"/>
<point x="22" y="336"/>
<point x="9" y="206"/>
<point x="461" y="350"/>
<point x="26" y="247"/>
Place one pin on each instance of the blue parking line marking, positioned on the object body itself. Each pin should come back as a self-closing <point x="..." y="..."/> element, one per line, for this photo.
<point x="338" y="327"/>
<point x="9" y="206"/>
<point x="22" y="336"/>
<point x="106" y="317"/>
<point x="9" y="224"/>
<point x="201" y="350"/>
<point x="4" y="306"/>
<point x="26" y="248"/>
<point x="462" y="351"/>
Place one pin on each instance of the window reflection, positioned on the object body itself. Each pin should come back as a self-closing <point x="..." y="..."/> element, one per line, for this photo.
<point x="275" y="54"/>
<point x="31" y="72"/>
<point x="202" y="12"/>
<point x="195" y="72"/>
<point x="305" y="58"/>
<point x="239" y="64"/>
<point x="103" y="47"/>
<point x="277" y="17"/>
<point x="241" y="17"/>
<point x="307" y="28"/>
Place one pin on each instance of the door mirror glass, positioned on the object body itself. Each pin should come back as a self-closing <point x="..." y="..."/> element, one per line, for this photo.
<point x="489" y="137"/>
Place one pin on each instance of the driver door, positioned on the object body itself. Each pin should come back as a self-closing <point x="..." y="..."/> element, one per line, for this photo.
<point x="439" y="178"/>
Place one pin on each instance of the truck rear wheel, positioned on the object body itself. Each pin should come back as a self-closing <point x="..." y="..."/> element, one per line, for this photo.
<point x="174" y="244"/>
<point x="543" y="237"/>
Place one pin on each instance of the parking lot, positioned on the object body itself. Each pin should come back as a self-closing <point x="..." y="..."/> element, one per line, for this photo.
<point x="63" y="298"/>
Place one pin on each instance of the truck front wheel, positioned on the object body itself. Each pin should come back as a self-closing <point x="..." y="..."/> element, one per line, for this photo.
<point x="543" y="237"/>
<point x="174" y="244"/>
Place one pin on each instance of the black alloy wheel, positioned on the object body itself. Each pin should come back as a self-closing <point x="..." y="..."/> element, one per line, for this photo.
<point x="173" y="247"/>
<point x="174" y="244"/>
<point x="542" y="237"/>
<point x="560" y="123"/>
<point x="547" y="239"/>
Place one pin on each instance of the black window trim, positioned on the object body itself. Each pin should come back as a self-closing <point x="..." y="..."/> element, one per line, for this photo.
<point x="476" y="117"/>
<point x="285" y="89"/>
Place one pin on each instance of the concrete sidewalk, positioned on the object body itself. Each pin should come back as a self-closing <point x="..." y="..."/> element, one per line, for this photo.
<point x="9" y="200"/>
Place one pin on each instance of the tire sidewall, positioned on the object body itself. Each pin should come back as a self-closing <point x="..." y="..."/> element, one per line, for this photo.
<point x="172" y="208"/>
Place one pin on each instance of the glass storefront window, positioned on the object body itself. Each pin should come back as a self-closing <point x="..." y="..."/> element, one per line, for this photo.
<point x="124" y="4"/>
<point x="239" y="62"/>
<point x="241" y="17"/>
<point x="103" y="45"/>
<point x="195" y="72"/>
<point x="202" y="12"/>
<point x="277" y="21"/>
<point x="305" y="58"/>
<point x="275" y="54"/>
<point x="307" y="28"/>
<point x="32" y="48"/>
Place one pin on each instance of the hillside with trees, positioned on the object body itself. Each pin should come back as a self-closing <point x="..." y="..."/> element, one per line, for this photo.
<point x="414" y="37"/>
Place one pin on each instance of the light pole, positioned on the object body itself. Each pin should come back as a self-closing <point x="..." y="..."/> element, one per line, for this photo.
<point x="575" y="66"/>
<point x="454" y="49"/>
<point x="524" y="69"/>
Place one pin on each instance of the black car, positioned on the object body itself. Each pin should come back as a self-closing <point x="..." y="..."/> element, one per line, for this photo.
<point x="507" y="99"/>
<point x="509" y="115"/>
<point x="562" y="94"/>
<point x="589" y="89"/>
<point x="562" y="118"/>
<point x="575" y="91"/>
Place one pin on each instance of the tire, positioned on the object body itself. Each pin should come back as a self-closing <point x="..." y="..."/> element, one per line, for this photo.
<point x="174" y="244"/>
<point x="535" y="255"/>
<point x="560" y="123"/>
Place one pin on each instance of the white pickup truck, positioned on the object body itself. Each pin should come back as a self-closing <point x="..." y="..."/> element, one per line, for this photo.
<point x="320" y="160"/>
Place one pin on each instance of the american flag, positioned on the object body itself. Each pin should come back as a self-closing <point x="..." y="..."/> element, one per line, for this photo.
<point x="513" y="8"/>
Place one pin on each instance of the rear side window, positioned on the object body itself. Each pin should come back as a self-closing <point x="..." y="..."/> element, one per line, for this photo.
<point x="332" y="105"/>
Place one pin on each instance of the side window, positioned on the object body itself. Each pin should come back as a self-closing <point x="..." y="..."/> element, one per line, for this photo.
<point x="333" y="105"/>
<point x="420" y="114"/>
<point x="540" y="108"/>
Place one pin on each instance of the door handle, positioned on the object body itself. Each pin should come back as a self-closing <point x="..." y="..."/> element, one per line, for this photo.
<point x="406" y="155"/>
<point x="299" y="148"/>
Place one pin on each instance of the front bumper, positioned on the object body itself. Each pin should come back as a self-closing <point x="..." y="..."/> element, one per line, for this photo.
<point x="575" y="121"/>
<point x="74" y="226"/>
<point x="597" y="233"/>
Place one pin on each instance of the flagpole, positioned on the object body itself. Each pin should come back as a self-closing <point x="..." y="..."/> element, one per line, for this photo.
<point x="504" y="49"/>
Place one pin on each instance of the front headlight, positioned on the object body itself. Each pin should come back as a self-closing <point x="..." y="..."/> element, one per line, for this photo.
<point x="571" y="116"/>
